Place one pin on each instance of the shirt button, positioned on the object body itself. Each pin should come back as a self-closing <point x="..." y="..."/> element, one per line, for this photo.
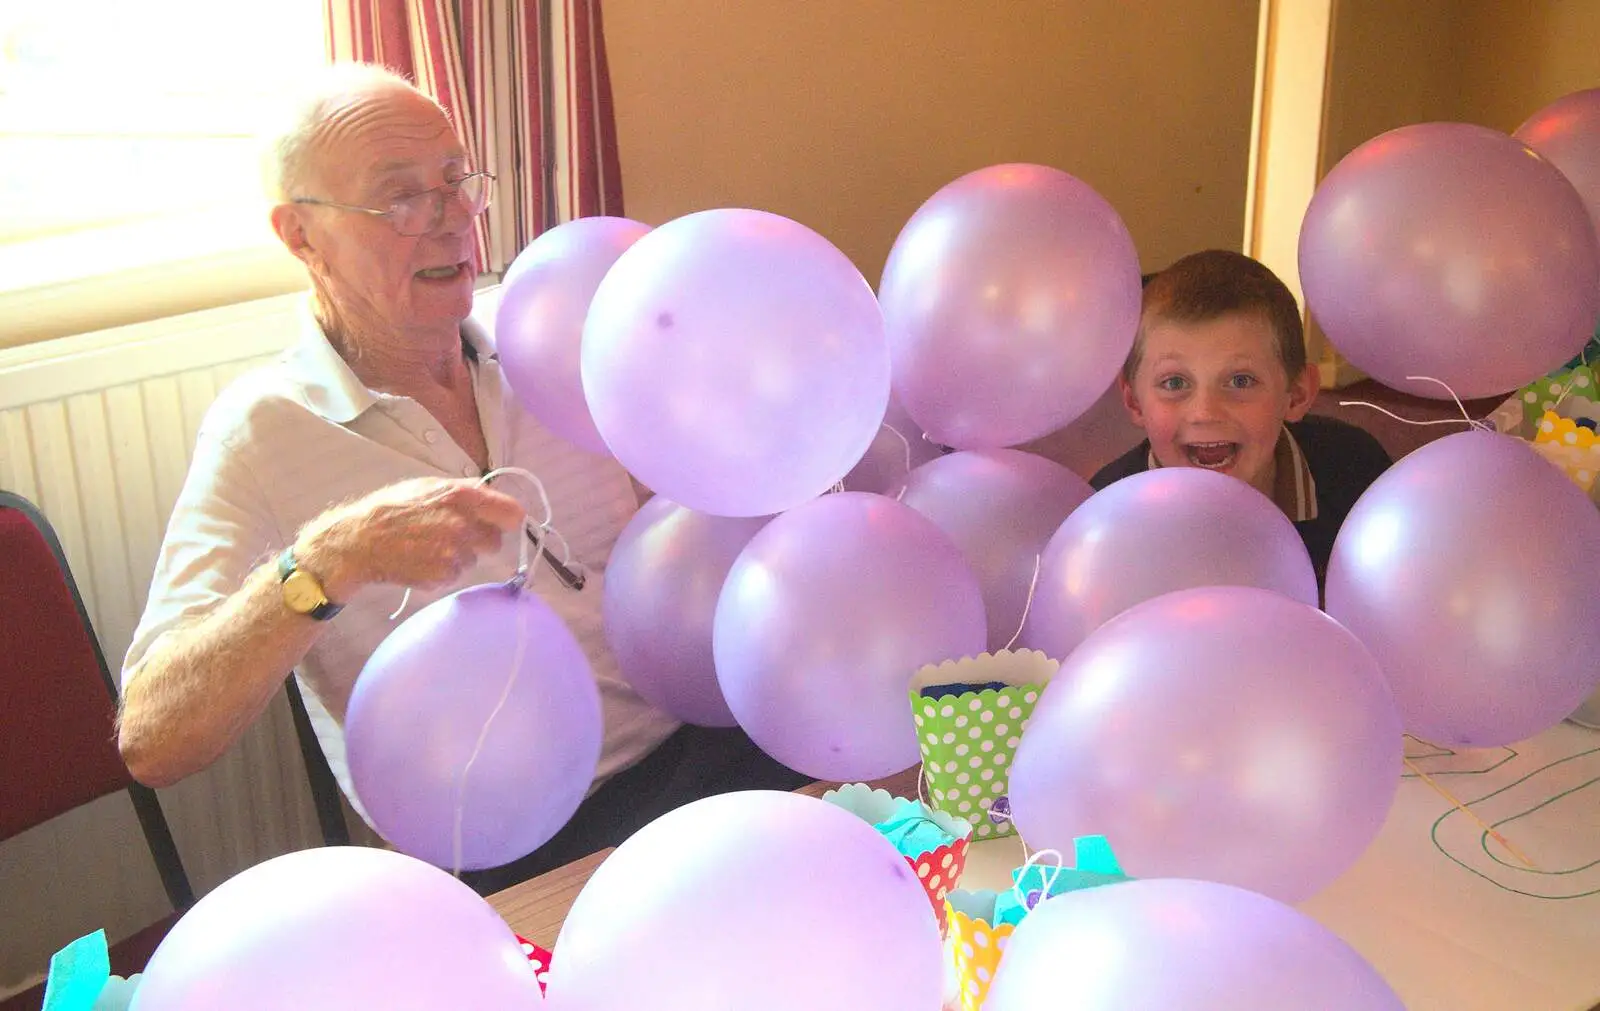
<point x="469" y="471"/>
<point x="430" y="437"/>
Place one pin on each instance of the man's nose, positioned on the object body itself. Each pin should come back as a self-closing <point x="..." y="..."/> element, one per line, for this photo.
<point x="455" y="217"/>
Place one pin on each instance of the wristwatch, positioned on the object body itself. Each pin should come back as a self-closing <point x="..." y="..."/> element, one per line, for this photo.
<point x="302" y="593"/>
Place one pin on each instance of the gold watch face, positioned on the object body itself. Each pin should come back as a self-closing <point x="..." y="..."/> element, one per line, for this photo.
<point x="302" y="594"/>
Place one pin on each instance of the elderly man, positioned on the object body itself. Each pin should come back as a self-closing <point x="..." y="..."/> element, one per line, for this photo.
<point x="350" y="468"/>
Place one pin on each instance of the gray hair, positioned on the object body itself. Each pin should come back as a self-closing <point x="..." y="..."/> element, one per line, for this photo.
<point x="287" y="154"/>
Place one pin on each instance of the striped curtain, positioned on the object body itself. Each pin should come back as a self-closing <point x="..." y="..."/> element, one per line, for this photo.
<point x="527" y="85"/>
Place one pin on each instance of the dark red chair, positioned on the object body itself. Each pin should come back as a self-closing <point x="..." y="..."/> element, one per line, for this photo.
<point x="58" y="745"/>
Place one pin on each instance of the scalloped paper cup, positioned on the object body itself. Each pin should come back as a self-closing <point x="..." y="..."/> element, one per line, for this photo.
<point x="938" y="869"/>
<point x="975" y="944"/>
<point x="968" y="738"/>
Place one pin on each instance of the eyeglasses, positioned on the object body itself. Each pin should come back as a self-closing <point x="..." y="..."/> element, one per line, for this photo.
<point x="421" y="212"/>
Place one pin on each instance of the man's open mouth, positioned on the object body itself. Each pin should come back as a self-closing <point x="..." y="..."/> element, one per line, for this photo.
<point x="442" y="273"/>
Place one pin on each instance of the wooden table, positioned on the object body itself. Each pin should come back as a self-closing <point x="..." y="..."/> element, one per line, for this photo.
<point x="1450" y="925"/>
<point x="536" y="907"/>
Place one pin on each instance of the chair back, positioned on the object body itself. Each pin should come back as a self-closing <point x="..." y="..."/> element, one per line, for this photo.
<point x="58" y="736"/>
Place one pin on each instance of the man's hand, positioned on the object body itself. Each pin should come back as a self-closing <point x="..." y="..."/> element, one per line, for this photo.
<point x="424" y="532"/>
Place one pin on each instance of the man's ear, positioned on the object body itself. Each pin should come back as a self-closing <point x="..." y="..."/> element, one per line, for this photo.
<point x="289" y="222"/>
<point x="1130" y="402"/>
<point x="1303" y="392"/>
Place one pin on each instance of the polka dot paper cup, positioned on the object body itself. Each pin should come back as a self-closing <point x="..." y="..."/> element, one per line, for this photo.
<point x="974" y="944"/>
<point x="538" y="960"/>
<point x="939" y="868"/>
<point x="969" y="715"/>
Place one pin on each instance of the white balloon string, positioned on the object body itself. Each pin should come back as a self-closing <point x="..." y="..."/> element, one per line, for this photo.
<point x="1459" y="405"/>
<point x="1467" y="419"/>
<point x="905" y="479"/>
<point x="517" y="652"/>
<point x="566" y="547"/>
<point x="405" y="599"/>
<point x="530" y="547"/>
<point x="1048" y="875"/>
<point x="1409" y="421"/>
<point x="1028" y="605"/>
<point x="522" y="560"/>
<point x="922" y="790"/>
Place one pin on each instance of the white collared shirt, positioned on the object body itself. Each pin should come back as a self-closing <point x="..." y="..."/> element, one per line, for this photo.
<point x="287" y="441"/>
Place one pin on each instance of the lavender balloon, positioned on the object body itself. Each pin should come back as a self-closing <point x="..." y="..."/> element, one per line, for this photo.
<point x="1471" y="569"/>
<point x="422" y="703"/>
<point x="751" y="900"/>
<point x="539" y="323"/>
<point x="1001" y="507"/>
<point x="339" y="927"/>
<point x="822" y="622"/>
<point x="1011" y="297"/>
<point x="1567" y="132"/>
<point x="1152" y="533"/>
<point x="1226" y="733"/>
<point x="1173" y="943"/>
<point x="897" y="449"/>
<point x="735" y="362"/>
<point x="1451" y="251"/>
<point x="662" y="583"/>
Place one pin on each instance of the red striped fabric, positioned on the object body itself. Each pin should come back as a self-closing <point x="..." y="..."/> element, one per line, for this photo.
<point x="481" y="60"/>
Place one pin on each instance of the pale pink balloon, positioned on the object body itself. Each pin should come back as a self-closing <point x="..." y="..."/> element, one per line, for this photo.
<point x="340" y="927"/>
<point x="898" y="448"/>
<point x="1471" y="569"/>
<point x="1001" y="507"/>
<point x="735" y="361"/>
<point x="1177" y="943"/>
<point x="1227" y="733"/>
<point x="662" y="583"/>
<point x="824" y="618"/>
<point x="539" y="323"/>
<point x="1167" y="529"/>
<point x="1454" y="252"/>
<point x="1567" y="132"/>
<point x="751" y="901"/>
<point x="1011" y="299"/>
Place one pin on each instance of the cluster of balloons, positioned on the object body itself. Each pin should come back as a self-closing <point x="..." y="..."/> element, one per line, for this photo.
<point x="1208" y="717"/>
<point x="738" y="364"/>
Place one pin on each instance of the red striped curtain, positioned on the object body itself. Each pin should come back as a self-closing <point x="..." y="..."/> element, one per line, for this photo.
<point x="547" y="132"/>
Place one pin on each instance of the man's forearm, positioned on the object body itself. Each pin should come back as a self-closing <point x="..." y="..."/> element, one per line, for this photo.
<point x="202" y="685"/>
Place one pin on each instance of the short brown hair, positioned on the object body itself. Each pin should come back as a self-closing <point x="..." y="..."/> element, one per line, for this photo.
<point x="1214" y="283"/>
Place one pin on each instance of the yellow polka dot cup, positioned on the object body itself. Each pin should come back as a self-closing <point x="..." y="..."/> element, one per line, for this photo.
<point x="975" y="944"/>
<point x="1570" y="446"/>
<point x="969" y="716"/>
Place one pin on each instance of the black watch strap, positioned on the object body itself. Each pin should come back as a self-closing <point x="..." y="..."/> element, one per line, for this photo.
<point x="288" y="566"/>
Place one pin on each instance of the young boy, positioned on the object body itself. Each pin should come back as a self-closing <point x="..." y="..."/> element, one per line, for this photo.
<point x="1218" y="379"/>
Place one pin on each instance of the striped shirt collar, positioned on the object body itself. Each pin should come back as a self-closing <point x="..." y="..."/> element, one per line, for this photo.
<point x="1293" y="489"/>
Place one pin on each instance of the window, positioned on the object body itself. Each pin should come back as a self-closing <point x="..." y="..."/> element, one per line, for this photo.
<point x="129" y="159"/>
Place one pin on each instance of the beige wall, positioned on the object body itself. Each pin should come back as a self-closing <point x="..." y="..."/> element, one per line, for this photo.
<point x="847" y="114"/>
<point x="1492" y="62"/>
<point x="1393" y="64"/>
<point x="1523" y="55"/>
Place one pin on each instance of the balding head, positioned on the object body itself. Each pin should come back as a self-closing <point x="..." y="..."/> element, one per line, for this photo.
<point x="290" y="158"/>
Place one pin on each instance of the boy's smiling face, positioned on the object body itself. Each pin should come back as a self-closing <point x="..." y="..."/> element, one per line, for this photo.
<point x="1215" y="395"/>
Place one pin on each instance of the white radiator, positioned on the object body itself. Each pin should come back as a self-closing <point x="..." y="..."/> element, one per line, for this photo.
<point x="97" y="430"/>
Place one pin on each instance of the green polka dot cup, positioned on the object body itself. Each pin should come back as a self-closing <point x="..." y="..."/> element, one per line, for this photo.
<point x="1544" y="394"/>
<point x="969" y="731"/>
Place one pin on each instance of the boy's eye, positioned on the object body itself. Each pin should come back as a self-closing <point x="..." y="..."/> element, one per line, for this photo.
<point x="1241" y="381"/>
<point x="1171" y="384"/>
